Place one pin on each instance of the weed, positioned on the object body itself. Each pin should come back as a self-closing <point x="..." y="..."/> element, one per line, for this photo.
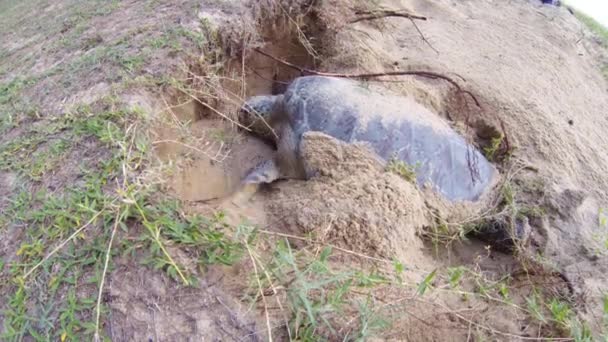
<point x="535" y="308"/>
<point x="402" y="169"/>
<point x="371" y="323"/>
<point x="175" y="37"/>
<point x="455" y="275"/>
<point x="503" y="290"/>
<point x="426" y="283"/>
<point x="560" y="312"/>
<point x="399" y="268"/>
<point x="132" y="63"/>
<point x="580" y="332"/>
<point x="10" y="91"/>
<point x="204" y="238"/>
<point x="531" y="211"/>
<point x="317" y="295"/>
<point x="600" y="236"/>
<point x="495" y="144"/>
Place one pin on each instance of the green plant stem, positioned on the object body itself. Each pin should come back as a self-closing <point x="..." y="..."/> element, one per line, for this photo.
<point x="156" y="236"/>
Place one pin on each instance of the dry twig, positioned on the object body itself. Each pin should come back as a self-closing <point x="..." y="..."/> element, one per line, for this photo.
<point x="257" y="278"/>
<point x="422" y="36"/>
<point x="63" y="243"/>
<point x="103" y="275"/>
<point x="218" y="157"/>
<point x="379" y="14"/>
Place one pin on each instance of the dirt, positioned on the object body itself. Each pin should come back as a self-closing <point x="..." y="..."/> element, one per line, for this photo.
<point x="353" y="203"/>
<point x="151" y="307"/>
<point x="536" y="73"/>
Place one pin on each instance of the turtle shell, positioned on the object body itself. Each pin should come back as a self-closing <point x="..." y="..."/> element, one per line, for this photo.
<point x="394" y="127"/>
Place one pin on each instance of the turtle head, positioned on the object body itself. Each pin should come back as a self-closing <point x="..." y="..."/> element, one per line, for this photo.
<point x="257" y="114"/>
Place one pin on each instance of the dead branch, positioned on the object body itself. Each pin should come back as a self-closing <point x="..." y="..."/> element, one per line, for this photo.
<point x="420" y="73"/>
<point x="422" y="36"/>
<point x="379" y="14"/>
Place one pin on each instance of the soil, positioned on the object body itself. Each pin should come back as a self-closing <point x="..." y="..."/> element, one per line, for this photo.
<point x="536" y="73"/>
<point x="355" y="204"/>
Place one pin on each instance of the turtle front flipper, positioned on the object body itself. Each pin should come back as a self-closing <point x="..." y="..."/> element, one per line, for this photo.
<point x="285" y="165"/>
<point x="265" y="172"/>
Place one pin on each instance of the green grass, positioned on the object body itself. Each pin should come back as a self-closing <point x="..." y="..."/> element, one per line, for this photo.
<point x="600" y="30"/>
<point x="317" y="294"/>
<point x="53" y="295"/>
<point x="45" y="294"/>
<point x="50" y="295"/>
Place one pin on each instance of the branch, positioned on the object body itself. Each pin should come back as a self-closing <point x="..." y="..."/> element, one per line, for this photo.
<point x="425" y="74"/>
<point x="379" y="14"/>
<point x="423" y="37"/>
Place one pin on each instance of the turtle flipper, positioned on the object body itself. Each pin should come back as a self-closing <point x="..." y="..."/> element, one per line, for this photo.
<point x="265" y="172"/>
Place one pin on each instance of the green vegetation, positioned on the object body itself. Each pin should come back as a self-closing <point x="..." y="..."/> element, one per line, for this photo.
<point x="316" y="293"/>
<point x="492" y="150"/>
<point x="107" y="198"/>
<point x="83" y="198"/>
<point x="600" y="30"/>
<point x="402" y="169"/>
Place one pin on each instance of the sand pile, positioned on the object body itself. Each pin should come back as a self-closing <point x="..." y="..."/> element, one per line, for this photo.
<point x="352" y="202"/>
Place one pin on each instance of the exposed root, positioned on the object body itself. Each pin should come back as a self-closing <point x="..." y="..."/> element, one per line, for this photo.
<point x="420" y="73"/>
<point x="380" y="14"/>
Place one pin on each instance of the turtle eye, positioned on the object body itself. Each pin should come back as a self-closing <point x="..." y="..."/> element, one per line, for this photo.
<point x="244" y="115"/>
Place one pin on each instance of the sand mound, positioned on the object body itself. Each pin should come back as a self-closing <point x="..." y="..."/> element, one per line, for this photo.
<point x="352" y="202"/>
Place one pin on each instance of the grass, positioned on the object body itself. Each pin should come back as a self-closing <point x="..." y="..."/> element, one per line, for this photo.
<point x="322" y="298"/>
<point x="106" y="207"/>
<point x="52" y="287"/>
<point x="42" y="276"/>
<point x="316" y="294"/>
<point x="598" y="29"/>
<point x="402" y="169"/>
<point x="50" y="218"/>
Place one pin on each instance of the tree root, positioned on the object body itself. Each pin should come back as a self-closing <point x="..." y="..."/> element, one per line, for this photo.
<point x="421" y="73"/>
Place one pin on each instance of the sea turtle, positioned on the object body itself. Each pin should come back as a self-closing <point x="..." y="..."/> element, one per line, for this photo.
<point x="392" y="126"/>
